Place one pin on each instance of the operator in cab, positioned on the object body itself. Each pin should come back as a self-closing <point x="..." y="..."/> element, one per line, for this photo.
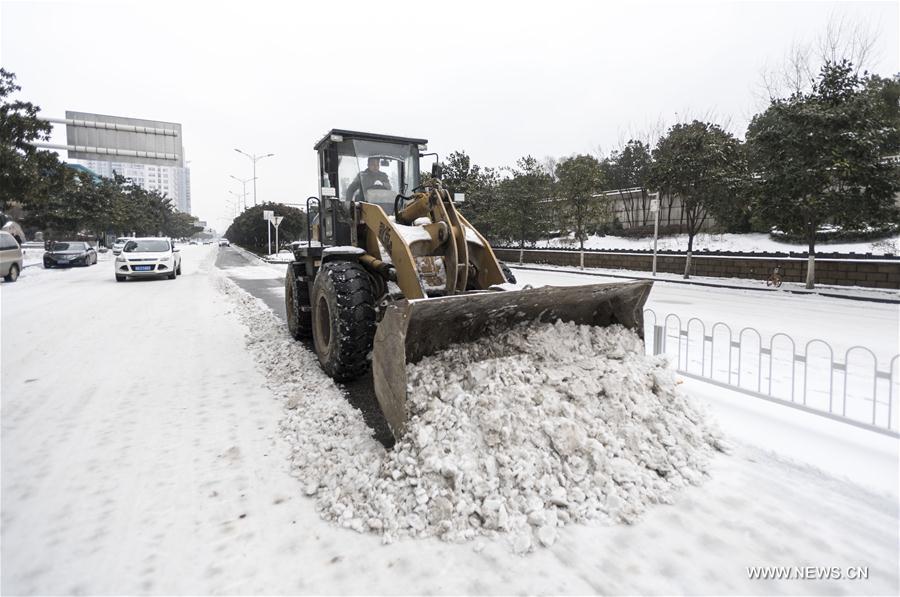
<point x="370" y="178"/>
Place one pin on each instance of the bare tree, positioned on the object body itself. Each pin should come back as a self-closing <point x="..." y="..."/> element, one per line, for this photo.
<point x="843" y="38"/>
<point x="848" y="39"/>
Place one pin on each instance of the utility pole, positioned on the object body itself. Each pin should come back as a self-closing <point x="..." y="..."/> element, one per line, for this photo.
<point x="254" y="158"/>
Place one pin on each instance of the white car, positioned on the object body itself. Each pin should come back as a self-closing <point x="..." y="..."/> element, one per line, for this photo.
<point x="120" y="242"/>
<point x="10" y="257"/>
<point x="148" y="257"/>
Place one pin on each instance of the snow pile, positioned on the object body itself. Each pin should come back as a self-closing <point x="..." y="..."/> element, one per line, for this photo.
<point x="517" y="434"/>
<point x="528" y="431"/>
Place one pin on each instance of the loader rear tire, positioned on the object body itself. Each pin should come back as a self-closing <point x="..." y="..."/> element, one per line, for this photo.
<point x="507" y="273"/>
<point x="343" y="319"/>
<point x="296" y="304"/>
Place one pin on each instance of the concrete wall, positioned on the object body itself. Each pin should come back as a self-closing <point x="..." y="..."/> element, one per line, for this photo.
<point x="873" y="272"/>
<point x="631" y="208"/>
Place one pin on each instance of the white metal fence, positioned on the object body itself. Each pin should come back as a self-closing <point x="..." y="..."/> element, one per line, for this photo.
<point x="854" y="387"/>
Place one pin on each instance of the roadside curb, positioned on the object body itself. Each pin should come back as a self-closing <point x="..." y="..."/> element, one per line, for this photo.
<point x="870" y="299"/>
<point x="255" y="256"/>
<point x="245" y="252"/>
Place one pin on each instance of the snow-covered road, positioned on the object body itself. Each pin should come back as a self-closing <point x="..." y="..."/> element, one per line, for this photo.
<point x="141" y="453"/>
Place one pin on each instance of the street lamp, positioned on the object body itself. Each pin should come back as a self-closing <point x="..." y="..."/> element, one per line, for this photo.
<point x="254" y="158"/>
<point x="233" y="206"/>
<point x="238" y="206"/>
<point x="244" y="183"/>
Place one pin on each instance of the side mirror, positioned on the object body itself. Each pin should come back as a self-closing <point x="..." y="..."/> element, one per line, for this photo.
<point x="436" y="170"/>
<point x="175" y="249"/>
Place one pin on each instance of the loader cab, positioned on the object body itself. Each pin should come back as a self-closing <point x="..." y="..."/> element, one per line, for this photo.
<point x="356" y="166"/>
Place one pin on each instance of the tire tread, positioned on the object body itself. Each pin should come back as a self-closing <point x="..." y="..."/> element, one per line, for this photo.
<point x="356" y="318"/>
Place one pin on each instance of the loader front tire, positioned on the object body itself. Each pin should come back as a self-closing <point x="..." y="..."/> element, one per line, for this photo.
<point x="507" y="273"/>
<point x="296" y="304"/>
<point x="343" y="319"/>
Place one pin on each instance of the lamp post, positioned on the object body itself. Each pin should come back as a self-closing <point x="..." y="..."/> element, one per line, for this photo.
<point x="232" y="206"/>
<point x="237" y="206"/>
<point x="654" y="207"/>
<point x="254" y="158"/>
<point x="244" y="185"/>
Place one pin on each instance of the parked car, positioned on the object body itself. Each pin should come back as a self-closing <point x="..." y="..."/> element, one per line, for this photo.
<point x="148" y="257"/>
<point x="223" y="242"/>
<point x="193" y="242"/>
<point x="70" y="253"/>
<point x="120" y="242"/>
<point x="10" y="257"/>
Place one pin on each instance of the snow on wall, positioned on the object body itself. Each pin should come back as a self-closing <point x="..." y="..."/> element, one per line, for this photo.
<point x="748" y="243"/>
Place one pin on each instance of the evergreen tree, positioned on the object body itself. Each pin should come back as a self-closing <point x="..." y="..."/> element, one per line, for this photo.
<point x="701" y="164"/>
<point x="250" y="231"/>
<point x="629" y="168"/>
<point x="817" y="157"/>
<point x="524" y="204"/>
<point x="578" y="180"/>
<point x="23" y="168"/>
<point x="479" y="185"/>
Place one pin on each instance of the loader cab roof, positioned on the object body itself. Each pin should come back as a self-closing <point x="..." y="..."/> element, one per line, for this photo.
<point x="327" y="139"/>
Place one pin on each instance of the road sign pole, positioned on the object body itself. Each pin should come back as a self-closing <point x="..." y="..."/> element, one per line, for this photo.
<point x="276" y="222"/>
<point x="268" y="214"/>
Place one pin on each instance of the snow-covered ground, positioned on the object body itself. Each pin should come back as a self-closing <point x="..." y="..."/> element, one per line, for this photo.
<point x="750" y="242"/>
<point x="146" y="448"/>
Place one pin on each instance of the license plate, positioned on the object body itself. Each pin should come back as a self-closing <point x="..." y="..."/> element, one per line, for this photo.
<point x="142" y="268"/>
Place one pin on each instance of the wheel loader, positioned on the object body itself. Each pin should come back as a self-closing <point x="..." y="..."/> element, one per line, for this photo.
<point x="391" y="271"/>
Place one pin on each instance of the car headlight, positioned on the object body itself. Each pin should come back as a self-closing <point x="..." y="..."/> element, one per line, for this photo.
<point x="163" y="258"/>
<point x="120" y="259"/>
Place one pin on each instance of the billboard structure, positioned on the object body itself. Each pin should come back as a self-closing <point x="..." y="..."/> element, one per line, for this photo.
<point x="122" y="139"/>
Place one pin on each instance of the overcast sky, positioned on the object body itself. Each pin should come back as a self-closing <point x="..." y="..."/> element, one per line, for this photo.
<point x="497" y="79"/>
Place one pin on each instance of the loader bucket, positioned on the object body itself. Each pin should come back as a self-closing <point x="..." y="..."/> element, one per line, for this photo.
<point x="414" y="329"/>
